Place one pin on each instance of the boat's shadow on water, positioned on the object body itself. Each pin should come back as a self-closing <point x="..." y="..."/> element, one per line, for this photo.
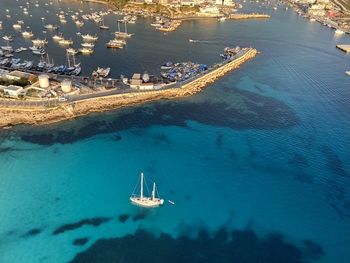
<point x="221" y="246"/>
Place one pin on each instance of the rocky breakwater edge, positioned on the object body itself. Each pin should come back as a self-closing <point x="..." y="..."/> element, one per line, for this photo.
<point x="11" y="116"/>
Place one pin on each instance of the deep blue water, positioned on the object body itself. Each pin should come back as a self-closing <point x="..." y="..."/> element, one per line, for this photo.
<point x="257" y="164"/>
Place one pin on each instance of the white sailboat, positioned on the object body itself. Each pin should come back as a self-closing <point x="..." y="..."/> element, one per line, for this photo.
<point x="145" y="201"/>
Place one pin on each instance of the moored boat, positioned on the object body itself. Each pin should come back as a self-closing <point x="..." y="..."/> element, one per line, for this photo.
<point x="145" y="201"/>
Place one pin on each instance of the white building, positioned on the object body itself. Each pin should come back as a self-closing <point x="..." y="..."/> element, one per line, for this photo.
<point x="13" y="91"/>
<point x="209" y="10"/>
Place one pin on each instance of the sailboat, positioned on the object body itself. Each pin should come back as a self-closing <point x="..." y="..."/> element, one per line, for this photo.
<point x="145" y="201"/>
<point x="103" y="26"/>
<point x="124" y="34"/>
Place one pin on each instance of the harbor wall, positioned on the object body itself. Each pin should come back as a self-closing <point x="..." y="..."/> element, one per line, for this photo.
<point x="42" y="115"/>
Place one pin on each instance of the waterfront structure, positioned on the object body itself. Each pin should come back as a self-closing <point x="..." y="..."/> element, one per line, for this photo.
<point x="12" y="90"/>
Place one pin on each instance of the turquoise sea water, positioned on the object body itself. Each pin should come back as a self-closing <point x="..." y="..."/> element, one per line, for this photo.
<point x="257" y="164"/>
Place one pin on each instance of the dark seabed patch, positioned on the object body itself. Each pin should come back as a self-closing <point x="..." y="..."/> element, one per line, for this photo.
<point x="80" y="241"/>
<point x="219" y="139"/>
<point x="96" y="221"/>
<point x="334" y="162"/>
<point x="299" y="161"/>
<point x="123" y="218"/>
<point x="222" y="246"/>
<point x="32" y="232"/>
<point x="251" y="111"/>
<point x="142" y="214"/>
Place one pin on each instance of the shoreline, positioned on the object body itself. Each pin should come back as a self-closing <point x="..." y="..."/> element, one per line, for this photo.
<point x="42" y="115"/>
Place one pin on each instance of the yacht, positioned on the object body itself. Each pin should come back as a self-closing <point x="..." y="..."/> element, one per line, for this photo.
<point x="57" y="37"/>
<point x="51" y="27"/>
<point x="65" y="42"/>
<point x="88" y="45"/>
<point x="348" y="72"/>
<point x="8" y="38"/>
<point x="114" y="43"/>
<point x="145" y="201"/>
<point x="16" y="26"/>
<point x="27" y="34"/>
<point x="72" y="51"/>
<point x="88" y="37"/>
<point x="39" y="42"/>
<point x="86" y="51"/>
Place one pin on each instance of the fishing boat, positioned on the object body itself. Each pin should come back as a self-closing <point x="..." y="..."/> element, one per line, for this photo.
<point x="8" y="38"/>
<point x="144" y="201"/>
<point x="88" y="37"/>
<point x="101" y="72"/>
<point x="79" y="23"/>
<point x="27" y="34"/>
<point x="114" y="43"/>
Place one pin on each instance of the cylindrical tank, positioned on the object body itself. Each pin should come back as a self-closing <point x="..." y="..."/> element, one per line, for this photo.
<point x="44" y="82"/>
<point x="66" y="85"/>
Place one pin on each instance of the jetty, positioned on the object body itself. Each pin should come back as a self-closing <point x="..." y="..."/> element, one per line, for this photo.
<point x="345" y="48"/>
<point x="238" y="16"/>
<point x="24" y="112"/>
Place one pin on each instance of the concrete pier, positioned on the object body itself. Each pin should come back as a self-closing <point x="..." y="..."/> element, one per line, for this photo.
<point x="38" y="115"/>
<point x="345" y="48"/>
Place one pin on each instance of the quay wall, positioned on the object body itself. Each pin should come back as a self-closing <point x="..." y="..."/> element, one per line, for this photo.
<point x="41" y="115"/>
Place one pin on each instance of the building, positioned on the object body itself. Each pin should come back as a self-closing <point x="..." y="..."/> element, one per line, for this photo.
<point x="136" y="81"/>
<point x="12" y="90"/>
<point x="17" y="75"/>
<point x="210" y="10"/>
<point x="188" y="2"/>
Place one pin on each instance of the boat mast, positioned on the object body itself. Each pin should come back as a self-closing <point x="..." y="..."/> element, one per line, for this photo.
<point x="125" y="28"/>
<point x="141" y="194"/>
<point x="118" y="27"/>
<point x="153" y="191"/>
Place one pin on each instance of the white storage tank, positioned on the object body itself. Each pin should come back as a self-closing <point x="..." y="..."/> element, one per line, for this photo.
<point x="66" y="85"/>
<point x="44" y="82"/>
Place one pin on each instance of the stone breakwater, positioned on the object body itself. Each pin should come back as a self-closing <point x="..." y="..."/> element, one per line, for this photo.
<point x="41" y="115"/>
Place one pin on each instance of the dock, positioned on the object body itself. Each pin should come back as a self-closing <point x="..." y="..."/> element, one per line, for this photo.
<point x="345" y="48"/>
<point x="248" y="16"/>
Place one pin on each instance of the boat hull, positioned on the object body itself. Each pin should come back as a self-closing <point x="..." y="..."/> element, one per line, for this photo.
<point x="146" y="202"/>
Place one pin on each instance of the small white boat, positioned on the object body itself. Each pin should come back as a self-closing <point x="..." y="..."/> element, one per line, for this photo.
<point x="39" y="42"/>
<point x="347" y="72"/>
<point x="88" y="37"/>
<point x="65" y="42"/>
<point x="86" y="51"/>
<point x="72" y="51"/>
<point x="88" y="45"/>
<point x="171" y="202"/>
<point x="144" y="201"/>
<point x="57" y="37"/>
<point x="17" y="26"/>
<point x="339" y="32"/>
<point x="51" y="27"/>
<point x="27" y="34"/>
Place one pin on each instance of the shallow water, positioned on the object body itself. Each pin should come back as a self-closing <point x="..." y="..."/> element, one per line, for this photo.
<point x="257" y="164"/>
